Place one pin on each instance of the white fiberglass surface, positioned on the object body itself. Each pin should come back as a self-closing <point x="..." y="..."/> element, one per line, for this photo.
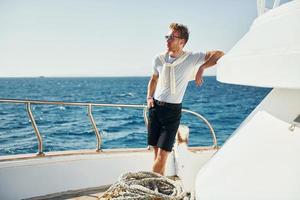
<point x="269" y="54"/>
<point x="260" y="161"/>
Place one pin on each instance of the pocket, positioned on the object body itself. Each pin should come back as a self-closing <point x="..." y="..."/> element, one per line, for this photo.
<point x="151" y="108"/>
<point x="150" y="112"/>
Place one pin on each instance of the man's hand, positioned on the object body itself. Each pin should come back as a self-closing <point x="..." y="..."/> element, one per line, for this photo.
<point x="150" y="102"/>
<point x="198" y="78"/>
<point x="211" y="58"/>
<point x="151" y="88"/>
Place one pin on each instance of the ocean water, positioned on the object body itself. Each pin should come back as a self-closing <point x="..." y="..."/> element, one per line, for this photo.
<point x="225" y="106"/>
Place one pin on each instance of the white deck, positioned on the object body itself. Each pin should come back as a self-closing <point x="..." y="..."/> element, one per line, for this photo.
<point x="33" y="177"/>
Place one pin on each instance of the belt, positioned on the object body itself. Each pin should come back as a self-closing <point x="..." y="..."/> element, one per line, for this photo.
<point x="162" y="103"/>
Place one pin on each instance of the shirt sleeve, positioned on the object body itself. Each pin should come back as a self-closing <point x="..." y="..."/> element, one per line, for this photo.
<point x="200" y="58"/>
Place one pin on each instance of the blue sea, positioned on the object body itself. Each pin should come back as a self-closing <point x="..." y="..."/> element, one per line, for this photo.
<point x="225" y="106"/>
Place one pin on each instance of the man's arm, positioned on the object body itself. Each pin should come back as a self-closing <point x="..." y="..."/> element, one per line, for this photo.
<point x="211" y="58"/>
<point x="151" y="89"/>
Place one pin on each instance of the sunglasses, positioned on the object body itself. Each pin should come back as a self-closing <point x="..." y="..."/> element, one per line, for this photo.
<point x="171" y="37"/>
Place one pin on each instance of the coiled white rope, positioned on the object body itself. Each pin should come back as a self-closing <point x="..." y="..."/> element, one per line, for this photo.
<point x="144" y="185"/>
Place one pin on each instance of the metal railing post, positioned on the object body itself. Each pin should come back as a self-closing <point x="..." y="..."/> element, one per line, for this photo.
<point x="145" y="111"/>
<point x="36" y="130"/>
<point x="99" y="141"/>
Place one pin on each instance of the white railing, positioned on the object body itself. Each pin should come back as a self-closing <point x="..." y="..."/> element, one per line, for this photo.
<point x="89" y="106"/>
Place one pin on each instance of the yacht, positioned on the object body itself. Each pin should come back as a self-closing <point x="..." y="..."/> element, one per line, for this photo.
<point x="259" y="161"/>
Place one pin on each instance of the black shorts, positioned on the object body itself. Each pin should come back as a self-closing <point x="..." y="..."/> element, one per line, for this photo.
<point x="164" y="120"/>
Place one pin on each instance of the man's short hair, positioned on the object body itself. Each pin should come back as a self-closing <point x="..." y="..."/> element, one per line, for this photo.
<point x="182" y="29"/>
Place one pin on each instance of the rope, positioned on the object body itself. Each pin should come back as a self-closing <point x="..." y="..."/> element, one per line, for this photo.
<point x="144" y="185"/>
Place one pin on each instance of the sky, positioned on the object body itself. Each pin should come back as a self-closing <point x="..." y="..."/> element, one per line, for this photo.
<point x="91" y="38"/>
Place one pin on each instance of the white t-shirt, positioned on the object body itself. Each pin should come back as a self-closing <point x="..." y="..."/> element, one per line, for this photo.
<point x="183" y="73"/>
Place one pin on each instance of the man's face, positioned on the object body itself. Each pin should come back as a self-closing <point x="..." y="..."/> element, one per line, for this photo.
<point x="174" y="42"/>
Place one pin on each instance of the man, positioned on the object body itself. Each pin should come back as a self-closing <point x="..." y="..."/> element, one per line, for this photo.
<point x="171" y="73"/>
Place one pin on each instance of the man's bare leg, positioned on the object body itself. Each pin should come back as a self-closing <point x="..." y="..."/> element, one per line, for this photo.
<point x="160" y="161"/>
<point x="155" y="148"/>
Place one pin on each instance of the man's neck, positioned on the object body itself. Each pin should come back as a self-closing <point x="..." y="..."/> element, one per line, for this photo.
<point x="175" y="54"/>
